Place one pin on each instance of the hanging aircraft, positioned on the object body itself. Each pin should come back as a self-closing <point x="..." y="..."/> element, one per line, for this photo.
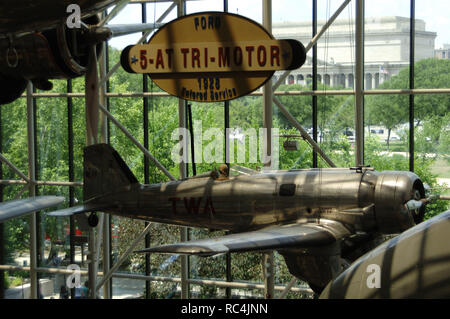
<point x="42" y="40"/>
<point x="319" y="220"/>
<point x="414" y="264"/>
<point x="21" y="207"/>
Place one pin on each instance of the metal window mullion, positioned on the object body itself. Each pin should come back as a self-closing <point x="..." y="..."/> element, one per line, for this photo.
<point x="2" y="242"/>
<point x="268" y="258"/>
<point x="257" y="93"/>
<point x="103" y="232"/>
<point x="39" y="232"/>
<point x="32" y="190"/>
<point x="181" y="11"/>
<point x="314" y="85"/>
<point x="71" y="177"/>
<point x="228" y="274"/>
<point x="108" y="221"/>
<point x="359" y="83"/>
<point x="411" y="83"/>
<point x="226" y="106"/>
<point x="267" y="96"/>
<point x="146" y="161"/>
<point x="107" y="96"/>
<point x="207" y="282"/>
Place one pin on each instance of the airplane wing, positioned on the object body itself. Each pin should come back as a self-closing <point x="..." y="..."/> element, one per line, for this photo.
<point x="286" y="236"/>
<point x="20" y="207"/>
<point x="85" y="208"/>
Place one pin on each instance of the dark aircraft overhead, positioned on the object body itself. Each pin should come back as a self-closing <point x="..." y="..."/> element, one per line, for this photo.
<point x="39" y="41"/>
<point x="31" y="15"/>
<point x="36" y="44"/>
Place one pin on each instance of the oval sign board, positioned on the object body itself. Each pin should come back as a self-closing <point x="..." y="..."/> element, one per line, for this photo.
<point x="212" y="56"/>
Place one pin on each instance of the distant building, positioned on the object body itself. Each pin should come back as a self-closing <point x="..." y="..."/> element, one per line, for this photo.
<point x="443" y="53"/>
<point x="386" y="49"/>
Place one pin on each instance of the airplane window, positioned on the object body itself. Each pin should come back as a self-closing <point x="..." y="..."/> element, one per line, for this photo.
<point x="287" y="190"/>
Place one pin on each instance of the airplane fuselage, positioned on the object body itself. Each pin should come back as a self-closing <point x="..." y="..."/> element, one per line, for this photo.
<point x="319" y="220"/>
<point x="364" y="200"/>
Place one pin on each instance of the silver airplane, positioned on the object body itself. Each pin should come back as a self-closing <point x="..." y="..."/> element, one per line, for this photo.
<point x="414" y="264"/>
<point x="21" y="207"/>
<point x="319" y="220"/>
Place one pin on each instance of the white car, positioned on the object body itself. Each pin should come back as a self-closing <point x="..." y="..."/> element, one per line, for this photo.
<point x="393" y="138"/>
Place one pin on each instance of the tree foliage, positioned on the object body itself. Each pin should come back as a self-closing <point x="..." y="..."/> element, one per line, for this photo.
<point x="392" y="110"/>
<point x="335" y="115"/>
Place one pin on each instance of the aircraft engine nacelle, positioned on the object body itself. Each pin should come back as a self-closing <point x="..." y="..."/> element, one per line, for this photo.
<point x="59" y="53"/>
<point x="392" y="191"/>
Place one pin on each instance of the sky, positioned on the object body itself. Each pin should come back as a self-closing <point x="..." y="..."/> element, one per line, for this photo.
<point x="433" y="12"/>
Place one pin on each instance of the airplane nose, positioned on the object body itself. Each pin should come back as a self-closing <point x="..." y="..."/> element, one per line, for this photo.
<point x="418" y="213"/>
<point x="399" y="201"/>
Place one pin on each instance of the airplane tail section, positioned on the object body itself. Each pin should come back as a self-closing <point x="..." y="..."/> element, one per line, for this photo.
<point x="104" y="171"/>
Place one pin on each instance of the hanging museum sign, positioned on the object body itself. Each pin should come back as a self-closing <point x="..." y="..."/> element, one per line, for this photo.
<point x="212" y="56"/>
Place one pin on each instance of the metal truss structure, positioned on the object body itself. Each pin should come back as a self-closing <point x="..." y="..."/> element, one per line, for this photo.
<point x="101" y="234"/>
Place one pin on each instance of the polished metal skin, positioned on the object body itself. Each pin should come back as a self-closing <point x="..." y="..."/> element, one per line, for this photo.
<point x="414" y="264"/>
<point x="21" y="207"/>
<point x="362" y="200"/>
<point x="318" y="219"/>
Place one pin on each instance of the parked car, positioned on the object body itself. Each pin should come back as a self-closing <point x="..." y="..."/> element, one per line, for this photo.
<point x="393" y="138"/>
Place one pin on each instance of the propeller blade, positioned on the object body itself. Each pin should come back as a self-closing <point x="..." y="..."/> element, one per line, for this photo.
<point x="125" y="29"/>
<point x="92" y="96"/>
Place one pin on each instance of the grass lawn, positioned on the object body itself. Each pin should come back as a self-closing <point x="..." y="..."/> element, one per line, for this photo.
<point x="441" y="168"/>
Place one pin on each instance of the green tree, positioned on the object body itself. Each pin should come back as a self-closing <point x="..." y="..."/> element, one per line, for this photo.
<point x="335" y="115"/>
<point x="392" y="110"/>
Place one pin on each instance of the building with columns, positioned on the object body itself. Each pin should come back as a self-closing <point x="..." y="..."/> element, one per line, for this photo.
<point x="444" y="52"/>
<point x="386" y="50"/>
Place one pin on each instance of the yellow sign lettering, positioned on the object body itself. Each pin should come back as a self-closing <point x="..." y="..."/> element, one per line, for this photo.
<point x="212" y="56"/>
